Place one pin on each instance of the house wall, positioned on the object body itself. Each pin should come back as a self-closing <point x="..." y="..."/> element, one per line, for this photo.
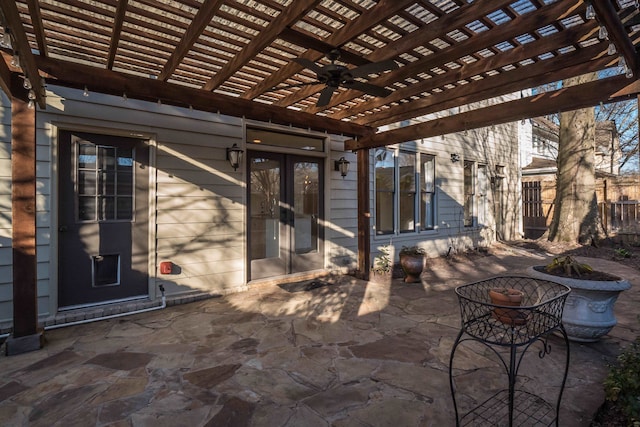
<point x="492" y="147"/>
<point x="197" y="200"/>
<point x="198" y="203"/>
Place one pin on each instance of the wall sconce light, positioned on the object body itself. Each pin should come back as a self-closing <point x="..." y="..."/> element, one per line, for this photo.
<point x="496" y="180"/>
<point x="455" y="157"/>
<point x="234" y="155"/>
<point x="342" y="165"/>
<point x="499" y="176"/>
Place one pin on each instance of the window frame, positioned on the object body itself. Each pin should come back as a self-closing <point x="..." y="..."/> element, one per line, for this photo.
<point x="425" y="190"/>
<point x="469" y="216"/>
<point x="416" y="194"/>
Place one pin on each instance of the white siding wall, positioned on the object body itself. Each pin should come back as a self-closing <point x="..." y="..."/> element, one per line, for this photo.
<point x="342" y="220"/>
<point x="497" y="146"/>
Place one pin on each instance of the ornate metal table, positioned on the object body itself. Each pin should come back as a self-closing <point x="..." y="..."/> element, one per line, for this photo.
<point x="513" y="330"/>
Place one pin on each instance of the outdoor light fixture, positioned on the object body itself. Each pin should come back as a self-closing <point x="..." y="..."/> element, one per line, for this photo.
<point x="455" y="157"/>
<point x="499" y="176"/>
<point x="342" y="165"/>
<point x="234" y="155"/>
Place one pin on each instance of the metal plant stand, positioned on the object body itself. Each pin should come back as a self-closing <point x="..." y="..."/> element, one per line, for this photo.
<point x="514" y="329"/>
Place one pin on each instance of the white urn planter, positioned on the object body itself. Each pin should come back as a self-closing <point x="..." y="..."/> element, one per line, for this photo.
<point x="588" y="310"/>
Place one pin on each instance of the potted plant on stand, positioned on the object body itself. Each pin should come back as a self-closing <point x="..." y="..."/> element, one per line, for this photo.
<point x="588" y="312"/>
<point x="412" y="263"/>
<point x="508" y="297"/>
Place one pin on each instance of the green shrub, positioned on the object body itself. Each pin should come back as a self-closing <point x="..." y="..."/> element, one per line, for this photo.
<point x="623" y="253"/>
<point x="622" y="385"/>
<point x="382" y="263"/>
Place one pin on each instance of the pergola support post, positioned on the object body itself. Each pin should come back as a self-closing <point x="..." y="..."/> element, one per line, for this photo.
<point x="364" y="215"/>
<point x="26" y="336"/>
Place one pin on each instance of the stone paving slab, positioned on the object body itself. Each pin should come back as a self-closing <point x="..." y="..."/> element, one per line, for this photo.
<point x="348" y="354"/>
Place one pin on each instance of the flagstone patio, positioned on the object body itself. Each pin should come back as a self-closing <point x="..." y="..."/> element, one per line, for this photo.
<point x="353" y="353"/>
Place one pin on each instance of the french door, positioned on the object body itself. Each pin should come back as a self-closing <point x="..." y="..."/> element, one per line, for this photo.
<point x="285" y="196"/>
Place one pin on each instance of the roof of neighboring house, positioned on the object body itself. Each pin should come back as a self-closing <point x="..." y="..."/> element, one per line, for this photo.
<point x="540" y="163"/>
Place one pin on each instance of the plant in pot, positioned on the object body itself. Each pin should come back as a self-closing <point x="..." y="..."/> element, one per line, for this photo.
<point x="507" y="297"/>
<point x="588" y="311"/>
<point x="412" y="262"/>
<point x="382" y="267"/>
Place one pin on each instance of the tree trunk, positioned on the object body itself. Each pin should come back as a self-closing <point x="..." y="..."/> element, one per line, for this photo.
<point x="575" y="214"/>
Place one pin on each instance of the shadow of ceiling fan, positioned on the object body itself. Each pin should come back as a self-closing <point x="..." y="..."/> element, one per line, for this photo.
<point x="335" y="75"/>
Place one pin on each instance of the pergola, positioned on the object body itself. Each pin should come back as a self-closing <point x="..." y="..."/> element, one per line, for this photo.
<point x="235" y="57"/>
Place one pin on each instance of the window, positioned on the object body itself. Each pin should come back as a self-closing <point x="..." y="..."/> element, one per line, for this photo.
<point x="469" y="192"/>
<point x="427" y="191"/>
<point x="104" y="177"/>
<point x="405" y="191"/>
<point x="483" y="187"/>
<point x="385" y="190"/>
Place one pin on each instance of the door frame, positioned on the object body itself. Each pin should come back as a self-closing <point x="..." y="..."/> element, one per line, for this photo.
<point x="59" y="126"/>
<point x="287" y="159"/>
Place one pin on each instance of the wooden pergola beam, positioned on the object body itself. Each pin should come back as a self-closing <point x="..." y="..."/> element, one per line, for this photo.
<point x="512" y="56"/>
<point x="27" y="59"/>
<point x="607" y="15"/>
<point x="290" y="15"/>
<point x="38" y="28"/>
<point x="205" y="14"/>
<point x="465" y="14"/>
<point x="135" y="87"/>
<point x="368" y="19"/>
<point x="593" y="58"/>
<point x="5" y="78"/>
<point x="121" y="11"/>
<point x="309" y="42"/>
<point x="364" y="215"/>
<point x="612" y="89"/>
<point x="25" y="336"/>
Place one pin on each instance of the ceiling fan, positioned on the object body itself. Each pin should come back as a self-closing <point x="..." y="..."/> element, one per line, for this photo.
<point x="336" y="75"/>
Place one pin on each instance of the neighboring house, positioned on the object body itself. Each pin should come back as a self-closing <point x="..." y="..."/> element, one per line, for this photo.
<point x="133" y="195"/>
<point x="538" y="161"/>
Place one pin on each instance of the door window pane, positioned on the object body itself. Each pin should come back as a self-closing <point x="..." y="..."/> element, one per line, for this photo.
<point x="265" y="208"/>
<point x="306" y="207"/>
<point x="87" y="183"/>
<point x="87" y="208"/>
<point x="385" y="186"/>
<point x="102" y="172"/>
<point x="86" y="156"/>
<point x="407" y="183"/>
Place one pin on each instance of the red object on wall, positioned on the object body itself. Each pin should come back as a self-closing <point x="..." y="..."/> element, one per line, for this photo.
<point x="166" y="267"/>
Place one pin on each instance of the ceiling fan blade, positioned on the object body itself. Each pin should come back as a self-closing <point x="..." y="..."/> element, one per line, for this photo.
<point x="369" y="89"/>
<point x="325" y="96"/>
<point x="308" y="64"/>
<point x="295" y="85"/>
<point x="374" y="68"/>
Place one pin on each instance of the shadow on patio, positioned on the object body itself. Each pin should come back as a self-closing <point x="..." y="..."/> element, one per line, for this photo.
<point x="352" y="353"/>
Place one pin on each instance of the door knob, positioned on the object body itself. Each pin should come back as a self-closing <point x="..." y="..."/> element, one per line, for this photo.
<point x="62" y="228"/>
